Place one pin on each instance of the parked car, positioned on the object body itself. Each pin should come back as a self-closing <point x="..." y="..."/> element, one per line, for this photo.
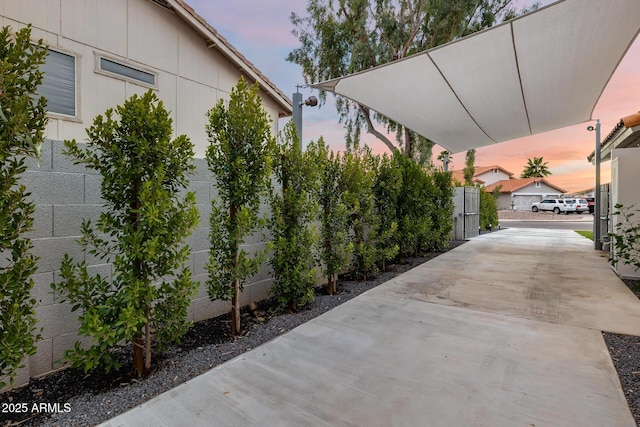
<point x="578" y="206"/>
<point x="554" y="205"/>
<point x="591" y="201"/>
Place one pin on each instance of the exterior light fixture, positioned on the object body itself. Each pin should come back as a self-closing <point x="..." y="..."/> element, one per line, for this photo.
<point x="311" y="101"/>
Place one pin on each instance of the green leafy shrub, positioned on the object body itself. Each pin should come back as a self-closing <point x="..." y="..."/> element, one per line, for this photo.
<point x="22" y="123"/>
<point x="334" y="246"/>
<point x="358" y="175"/>
<point x="441" y="210"/>
<point x="293" y="209"/>
<point x="386" y="189"/>
<point x="488" y="209"/>
<point x="626" y="242"/>
<point x="142" y="233"/>
<point x="238" y="156"/>
<point x="425" y="209"/>
<point x="413" y="212"/>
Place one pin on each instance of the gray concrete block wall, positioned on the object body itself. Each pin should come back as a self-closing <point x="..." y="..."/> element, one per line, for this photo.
<point x="65" y="194"/>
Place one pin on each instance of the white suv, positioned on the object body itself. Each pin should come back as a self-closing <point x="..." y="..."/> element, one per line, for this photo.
<point x="578" y="206"/>
<point x="555" y="205"/>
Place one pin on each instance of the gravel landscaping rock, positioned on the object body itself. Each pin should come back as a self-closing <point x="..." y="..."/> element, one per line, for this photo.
<point x="87" y="400"/>
<point x="625" y="353"/>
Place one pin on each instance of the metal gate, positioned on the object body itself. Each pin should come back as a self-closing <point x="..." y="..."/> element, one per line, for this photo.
<point x="467" y="212"/>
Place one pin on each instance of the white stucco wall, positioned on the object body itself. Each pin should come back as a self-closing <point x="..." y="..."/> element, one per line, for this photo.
<point x="625" y="176"/>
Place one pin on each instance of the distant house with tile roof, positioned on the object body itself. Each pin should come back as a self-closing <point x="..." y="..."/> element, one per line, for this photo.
<point x="484" y="175"/>
<point x="521" y="193"/>
<point x="514" y="192"/>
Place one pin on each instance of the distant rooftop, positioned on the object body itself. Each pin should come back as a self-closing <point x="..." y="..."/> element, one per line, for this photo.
<point x="515" y="184"/>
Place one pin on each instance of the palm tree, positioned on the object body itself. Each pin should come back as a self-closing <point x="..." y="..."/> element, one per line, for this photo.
<point x="445" y="157"/>
<point x="536" y="168"/>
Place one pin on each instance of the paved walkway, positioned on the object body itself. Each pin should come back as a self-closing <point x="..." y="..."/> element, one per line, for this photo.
<point x="505" y="330"/>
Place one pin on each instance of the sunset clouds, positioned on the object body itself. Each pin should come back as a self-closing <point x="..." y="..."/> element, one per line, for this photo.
<point x="261" y="31"/>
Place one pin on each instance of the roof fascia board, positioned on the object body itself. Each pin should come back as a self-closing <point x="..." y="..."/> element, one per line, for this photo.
<point x="213" y="40"/>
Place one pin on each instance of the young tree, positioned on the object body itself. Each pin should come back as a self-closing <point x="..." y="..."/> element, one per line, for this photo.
<point x="334" y="247"/>
<point x="386" y="190"/>
<point x="414" y="207"/>
<point x="238" y="156"/>
<point x="469" y="167"/>
<point x="22" y="123"/>
<point x="142" y="233"/>
<point x="441" y="209"/>
<point x="536" y="168"/>
<point x="342" y="37"/>
<point x="488" y="208"/>
<point x="293" y="210"/>
<point x="358" y="175"/>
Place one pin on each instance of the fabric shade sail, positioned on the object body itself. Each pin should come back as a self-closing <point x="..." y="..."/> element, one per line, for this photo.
<point x="539" y="72"/>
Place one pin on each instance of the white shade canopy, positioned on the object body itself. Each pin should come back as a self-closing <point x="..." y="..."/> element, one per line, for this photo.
<point x="539" y="72"/>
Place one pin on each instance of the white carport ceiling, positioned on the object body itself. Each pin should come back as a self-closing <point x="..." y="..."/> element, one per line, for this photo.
<point x="539" y="72"/>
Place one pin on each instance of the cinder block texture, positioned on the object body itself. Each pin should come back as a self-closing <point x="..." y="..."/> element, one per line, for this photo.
<point x="50" y="188"/>
<point x="51" y="252"/>
<point x="57" y="319"/>
<point x="45" y="162"/>
<point x="201" y="190"/>
<point x="42" y="360"/>
<point x="41" y="290"/>
<point x="201" y="172"/>
<point x="92" y="190"/>
<point x="63" y="163"/>
<point x="42" y="222"/>
<point x="21" y="378"/>
<point x="199" y="240"/>
<point x="64" y="342"/>
<point x="67" y="219"/>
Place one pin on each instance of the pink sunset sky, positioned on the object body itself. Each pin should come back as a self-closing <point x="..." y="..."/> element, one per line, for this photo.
<point x="262" y="32"/>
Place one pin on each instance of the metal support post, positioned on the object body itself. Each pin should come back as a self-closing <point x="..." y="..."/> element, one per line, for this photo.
<point x="297" y="115"/>
<point x="597" y="208"/>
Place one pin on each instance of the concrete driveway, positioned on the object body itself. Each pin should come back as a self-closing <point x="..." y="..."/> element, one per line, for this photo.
<point x="505" y="330"/>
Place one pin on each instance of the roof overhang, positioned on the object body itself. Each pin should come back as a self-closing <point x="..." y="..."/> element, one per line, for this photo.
<point x="539" y="72"/>
<point x="215" y="40"/>
<point x="620" y="137"/>
<point x="625" y="134"/>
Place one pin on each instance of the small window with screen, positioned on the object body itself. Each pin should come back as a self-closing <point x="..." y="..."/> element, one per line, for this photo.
<point x="117" y="69"/>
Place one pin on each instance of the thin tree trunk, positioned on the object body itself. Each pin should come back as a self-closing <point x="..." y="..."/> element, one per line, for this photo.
<point x="373" y="131"/>
<point x="134" y="216"/>
<point x="147" y="343"/>
<point x="137" y="354"/>
<point x="408" y="143"/>
<point x="293" y="306"/>
<point x="235" y="299"/>
<point x="235" y="308"/>
<point x="331" y="284"/>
